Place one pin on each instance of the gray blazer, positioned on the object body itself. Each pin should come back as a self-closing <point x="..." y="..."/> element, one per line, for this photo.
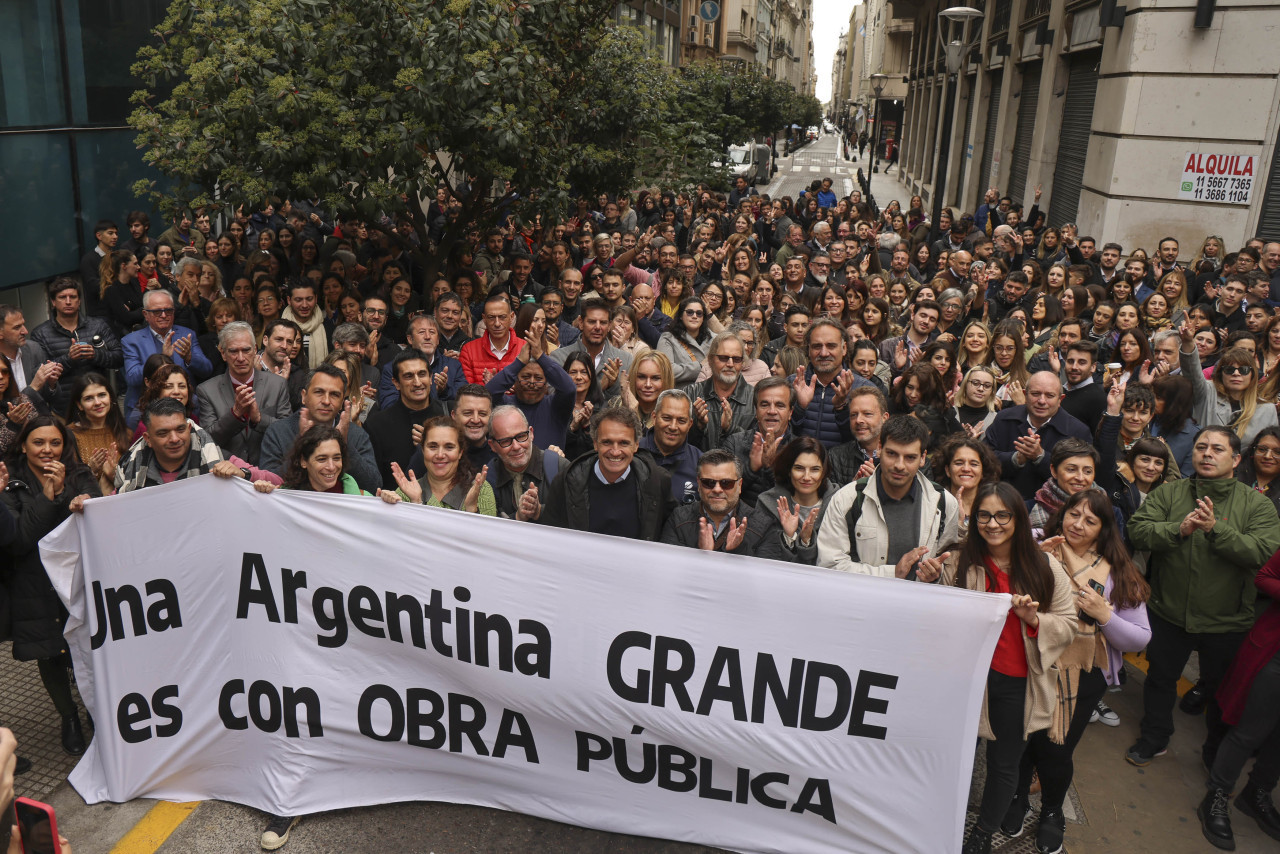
<point x="233" y="436"/>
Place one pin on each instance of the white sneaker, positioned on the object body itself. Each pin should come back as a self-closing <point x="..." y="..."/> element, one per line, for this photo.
<point x="1103" y="713"/>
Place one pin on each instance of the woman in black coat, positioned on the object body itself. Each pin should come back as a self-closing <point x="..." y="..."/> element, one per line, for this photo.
<point x="47" y="482"/>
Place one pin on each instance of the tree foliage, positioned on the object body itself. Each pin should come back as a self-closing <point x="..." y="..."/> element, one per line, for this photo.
<point x="370" y="105"/>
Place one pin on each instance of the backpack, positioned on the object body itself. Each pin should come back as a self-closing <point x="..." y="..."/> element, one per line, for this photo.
<point x="856" y="511"/>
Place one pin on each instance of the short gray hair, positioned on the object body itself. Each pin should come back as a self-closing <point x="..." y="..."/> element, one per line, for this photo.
<point x="231" y="330"/>
<point x="157" y="292"/>
<point x="1165" y="335"/>
<point x="184" y="263"/>
<point x="350" y="333"/>
<point x="673" y="394"/>
<point x="506" y="409"/>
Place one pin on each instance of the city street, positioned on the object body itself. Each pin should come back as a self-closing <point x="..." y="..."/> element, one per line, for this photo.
<point x="821" y="159"/>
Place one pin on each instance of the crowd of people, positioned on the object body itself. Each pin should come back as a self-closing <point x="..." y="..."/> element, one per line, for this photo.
<point x="988" y="401"/>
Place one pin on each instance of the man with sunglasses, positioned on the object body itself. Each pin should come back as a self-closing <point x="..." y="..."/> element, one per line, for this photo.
<point x="719" y="520"/>
<point x="160" y="335"/>
<point x="722" y="402"/>
<point x="522" y="474"/>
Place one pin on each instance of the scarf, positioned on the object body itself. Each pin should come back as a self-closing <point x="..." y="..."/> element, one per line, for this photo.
<point x="1048" y="499"/>
<point x="315" y="346"/>
<point x="1088" y="650"/>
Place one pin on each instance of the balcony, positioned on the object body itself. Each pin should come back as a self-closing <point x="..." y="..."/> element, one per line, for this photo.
<point x="899" y="26"/>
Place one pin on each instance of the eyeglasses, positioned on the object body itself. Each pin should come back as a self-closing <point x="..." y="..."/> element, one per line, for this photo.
<point x="376" y="312"/>
<point x="533" y="381"/>
<point x="163" y="312"/>
<point x="980" y="384"/>
<point x="519" y="437"/>
<point x="730" y="360"/>
<point x="1266" y="452"/>
<point x="725" y="483"/>
<point x="1001" y="518"/>
<point x="1232" y="370"/>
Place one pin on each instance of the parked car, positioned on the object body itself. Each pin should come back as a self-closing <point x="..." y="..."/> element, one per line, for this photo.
<point x="813" y="132"/>
<point x="749" y="161"/>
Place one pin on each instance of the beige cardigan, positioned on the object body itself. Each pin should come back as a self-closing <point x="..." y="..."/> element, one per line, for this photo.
<point x="1057" y="631"/>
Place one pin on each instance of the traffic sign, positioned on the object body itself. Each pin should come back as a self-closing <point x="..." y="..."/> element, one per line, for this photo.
<point x="709" y="11"/>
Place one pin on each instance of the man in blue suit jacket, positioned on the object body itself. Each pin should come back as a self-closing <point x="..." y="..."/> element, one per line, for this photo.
<point x="161" y="336"/>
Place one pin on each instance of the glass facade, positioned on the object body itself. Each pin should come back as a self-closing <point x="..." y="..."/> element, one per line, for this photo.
<point x="67" y="158"/>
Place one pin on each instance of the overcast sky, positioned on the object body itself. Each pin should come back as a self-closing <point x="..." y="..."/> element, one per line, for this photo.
<point x="830" y="20"/>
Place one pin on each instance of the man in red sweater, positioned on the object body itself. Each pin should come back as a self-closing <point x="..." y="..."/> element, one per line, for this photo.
<point x="487" y="355"/>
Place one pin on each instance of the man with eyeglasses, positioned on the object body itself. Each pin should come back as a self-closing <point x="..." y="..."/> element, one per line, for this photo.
<point x="522" y="474"/>
<point x="1208" y="535"/>
<point x="540" y="388"/>
<point x="819" y="271"/>
<point x="719" y="520"/>
<point x="886" y="523"/>
<point x="391" y="427"/>
<point x="237" y="407"/>
<point x="380" y="349"/>
<point x="722" y="402"/>
<point x="160" y="335"/>
<point x="1023" y="436"/>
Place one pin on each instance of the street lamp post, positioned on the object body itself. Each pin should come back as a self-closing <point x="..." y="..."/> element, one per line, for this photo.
<point x="877" y="84"/>
<point x="955" y="51"/>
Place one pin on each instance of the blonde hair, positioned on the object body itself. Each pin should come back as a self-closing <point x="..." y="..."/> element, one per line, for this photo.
<point x="1249" y="397"/>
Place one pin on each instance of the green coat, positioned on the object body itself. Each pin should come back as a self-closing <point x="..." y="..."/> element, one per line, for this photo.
<point x="1204" y="583"/>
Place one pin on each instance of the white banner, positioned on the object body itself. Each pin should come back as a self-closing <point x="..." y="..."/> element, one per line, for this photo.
<point x="298" y="652"/>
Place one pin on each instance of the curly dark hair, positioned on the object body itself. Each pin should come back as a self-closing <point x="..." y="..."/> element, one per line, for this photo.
<point x="295" y="476"/>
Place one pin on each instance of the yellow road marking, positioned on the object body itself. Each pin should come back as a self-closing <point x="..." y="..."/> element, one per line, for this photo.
<point x="154" y="828"/>
<point x="1139" y="660"/>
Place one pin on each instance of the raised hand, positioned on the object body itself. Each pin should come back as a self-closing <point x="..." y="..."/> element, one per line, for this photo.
<point x="1186" y="333"/>
<point x="726" y="416"/>
<point x="788" y="518"/>
<point x="582" y="415"/>
<point x="609" y="373"/>
<point x="166" y="346"/>
<point x="20" y="410"/>
<point x="344" y="420"/>
<point x="804" y="389"/>
<point x="1027" y="448"/>
<point x="1055" y="361"/>
<point x="183" y="347"/>
<point x="532" y="349"/>
<point x="706" y="539"/>
<point x="4" y="477"/>
<point x="528" y="509"/>
<point x="900" y="355"/>
<point x="1050" y="546"/>
<point x="1026" y="609"/>
<point x="737" y="533"/>
<point x="843" y="385"/>
<point x="908" y="561"/>
<point x="867" y="469"/>
<point x="371" y="349"/>
<point x="47" y="373"/>
<point x="246" y="404"/>
<point x="700" y="412"/>
<point x="408" y="485"/>
<point x="52" y="478"/>
<point x="628" y="399"/>
<point x="930" y="568"/>
<point x="806" y="530"/>
<point x="1017" y="393"/>
<point x="471" y="503"/>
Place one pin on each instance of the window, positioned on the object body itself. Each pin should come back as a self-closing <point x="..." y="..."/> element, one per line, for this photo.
<point x="31" y="91"/>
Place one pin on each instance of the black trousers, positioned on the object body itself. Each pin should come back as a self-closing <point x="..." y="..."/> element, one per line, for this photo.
<point x="1006" y="697"/>
<point x="1167" y="654"/>
<point x="1054" y="761"/>
<point x="1259" y="727"/>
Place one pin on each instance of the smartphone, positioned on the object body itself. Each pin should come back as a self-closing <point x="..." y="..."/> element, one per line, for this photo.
<point x="37" y="828"/>
<point x="1085" y="618"/>
<point x="1097" y="586"/>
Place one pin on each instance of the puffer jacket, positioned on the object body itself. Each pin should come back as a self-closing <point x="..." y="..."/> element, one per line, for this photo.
<point x="1205" y="583"/>
<point x="763" y="538"/>
<point x="38" y="614"/>
<point x="568" y="498"/>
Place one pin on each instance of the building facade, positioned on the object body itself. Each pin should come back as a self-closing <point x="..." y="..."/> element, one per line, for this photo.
<point x="1110" y="110"/>
<point x="67" y="158"/>
<point x="775" y="35"/>
<point x="660" y="19"/>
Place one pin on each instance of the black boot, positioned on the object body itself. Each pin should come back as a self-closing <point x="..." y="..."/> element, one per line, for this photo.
<point x="1215" y="819"/>
<point x="22" y="765"/>
<point x="72" y="735"/>
<point x="1194" y="701"/>
<point x="1256" y="803"/>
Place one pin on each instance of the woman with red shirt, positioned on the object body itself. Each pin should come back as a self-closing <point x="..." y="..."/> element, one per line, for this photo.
<point x="1000" y="556"/>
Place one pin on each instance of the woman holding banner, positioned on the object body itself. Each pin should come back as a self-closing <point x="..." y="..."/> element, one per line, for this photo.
<point x="1111" y="596"/>
<point x="800" y="498"/>
<point x="1000" y="556"/>
<point x="46" y="482"/>
<point x="317" y="463"/>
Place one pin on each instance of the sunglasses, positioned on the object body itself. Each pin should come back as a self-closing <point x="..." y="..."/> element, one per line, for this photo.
<point x="1232" y="370"/>
<point x="725" y="483"/>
